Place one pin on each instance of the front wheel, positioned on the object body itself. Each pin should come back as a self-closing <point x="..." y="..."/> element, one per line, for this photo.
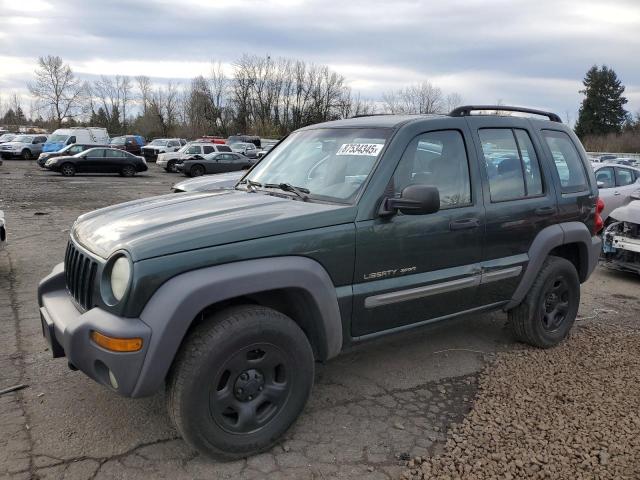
<point x="171" y="166"/>
<point x="196" y="171"/>
<point x="240" y="380"/>
<point x="68" y="170"/>
<point x="549" y="310"/>
<point x="128" y="171"/>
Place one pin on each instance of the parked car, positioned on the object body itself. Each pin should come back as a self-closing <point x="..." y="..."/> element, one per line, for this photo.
<point x="162" y="145"/>
<point x="245" y="139"/>
<point x="23" y="146"/>
<point x="213" y="163"/>
<point x="607" y="157"/>
<point x="67" y="151"/>
<point x="130" y="143"/>
<point x="616" y="185"/>
<point x="7" y="137"/>
<point x="3" y="230"/>
<point x="621" y="239"/>
<point x="169" y="160"/>
<point x="84" y="135"/>
<point x="209" y="183"/>
<point x="247" y="149"/>
<point x="346" y="233"/>
<point x="264" y="150"/>
<point x="98" y="160"/>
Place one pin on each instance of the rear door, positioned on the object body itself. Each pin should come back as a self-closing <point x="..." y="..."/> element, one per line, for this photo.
<point x="411" y="269"/>
<point x="519" y="200"/>
<point x="114" y="161"/>
<point x="627" y="183"/>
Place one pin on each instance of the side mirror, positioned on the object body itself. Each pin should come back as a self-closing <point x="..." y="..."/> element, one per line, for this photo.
<point x="600" y="184"/>
<point x="414" y="200"/>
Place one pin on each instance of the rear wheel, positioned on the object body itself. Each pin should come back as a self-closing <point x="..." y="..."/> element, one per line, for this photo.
<point x="196" y="171"/>
<point x="549" y="310"/>
<point x="240" y="380"/>
<point x="68" y="170"/>
<point x="128" y="171"/>
<point x="171" y="166"/>
<point x="26" y="154"/>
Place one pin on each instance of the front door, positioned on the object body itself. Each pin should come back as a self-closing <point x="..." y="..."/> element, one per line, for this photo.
<point x="414" y="268"/>
<point x="519" y="199"/>
<point x="92" y="161"/>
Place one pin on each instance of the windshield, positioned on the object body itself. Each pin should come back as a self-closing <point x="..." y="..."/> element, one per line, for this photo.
<point x="161" y="143"/>
<point x="23" y="139"/>
<point x="57" y="138"/>
<point x="7" y="137"/>
<point x="118" y="141"/>
<point x="331" y="163"/>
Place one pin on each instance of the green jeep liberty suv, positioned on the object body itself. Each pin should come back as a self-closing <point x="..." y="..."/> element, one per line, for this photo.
<point x="345" y="231"/>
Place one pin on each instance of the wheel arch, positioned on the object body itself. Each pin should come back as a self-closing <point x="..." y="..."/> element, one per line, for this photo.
<point x="570" y="240"/>
<point x="296" y="286"/>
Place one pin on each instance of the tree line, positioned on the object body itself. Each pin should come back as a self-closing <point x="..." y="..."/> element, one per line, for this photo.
<point x="262" y="95"/>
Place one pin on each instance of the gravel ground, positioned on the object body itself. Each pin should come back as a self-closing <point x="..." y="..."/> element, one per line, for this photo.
<point x="570" y="412"/>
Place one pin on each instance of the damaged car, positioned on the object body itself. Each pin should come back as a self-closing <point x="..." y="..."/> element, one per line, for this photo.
<point x="621" y="239"/>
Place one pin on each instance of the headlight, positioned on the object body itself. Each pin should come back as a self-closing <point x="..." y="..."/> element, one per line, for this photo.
<point x="120" y="276"/>
<point x="49" y="162"/>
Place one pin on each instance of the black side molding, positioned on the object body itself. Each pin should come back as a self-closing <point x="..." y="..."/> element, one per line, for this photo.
<point x="466" y="110"/>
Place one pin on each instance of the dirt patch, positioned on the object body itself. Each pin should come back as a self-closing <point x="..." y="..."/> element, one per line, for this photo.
<point x="568" y="412"/>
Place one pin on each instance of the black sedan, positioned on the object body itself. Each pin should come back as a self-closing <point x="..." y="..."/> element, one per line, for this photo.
<point x="98" y="160"/>
<point x="67" y="151"/>
<point x="214" y="163"/>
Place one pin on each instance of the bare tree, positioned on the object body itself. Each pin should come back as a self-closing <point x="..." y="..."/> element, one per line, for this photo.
<point x="422" y="98"/>
<point x="144" y="88"/>
<point x="56" y="89"/>
<point x="452" y="101"/>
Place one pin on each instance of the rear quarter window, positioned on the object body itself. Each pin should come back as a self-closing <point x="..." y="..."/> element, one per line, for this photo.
<point x="567" y="161"/>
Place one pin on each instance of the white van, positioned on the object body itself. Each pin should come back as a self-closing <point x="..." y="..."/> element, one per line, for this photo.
<point x="83" y="135"/>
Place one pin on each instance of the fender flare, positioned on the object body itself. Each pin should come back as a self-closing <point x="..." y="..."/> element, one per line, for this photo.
<point x="549" y="238"/>
<point x="174" y="306"/>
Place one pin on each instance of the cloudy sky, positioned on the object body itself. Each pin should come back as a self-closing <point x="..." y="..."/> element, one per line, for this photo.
<point x="524" y="52"/>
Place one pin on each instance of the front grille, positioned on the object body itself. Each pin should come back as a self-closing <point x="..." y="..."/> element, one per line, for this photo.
<point x="80" y="272"/>
<point x="150" y="154"/>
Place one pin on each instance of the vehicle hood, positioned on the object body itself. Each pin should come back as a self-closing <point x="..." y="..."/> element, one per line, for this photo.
<point x="210" y="182"/>
<point x="175" y="223"/>
<point x="630" y="213"/>
<point x="52" y="146"/>
<point x="12" y="145"/>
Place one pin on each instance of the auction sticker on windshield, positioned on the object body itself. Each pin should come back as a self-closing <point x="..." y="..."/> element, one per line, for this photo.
<point x="368" y="149"/>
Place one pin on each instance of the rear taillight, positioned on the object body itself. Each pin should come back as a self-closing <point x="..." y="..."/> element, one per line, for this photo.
<point x="598" y="223"/>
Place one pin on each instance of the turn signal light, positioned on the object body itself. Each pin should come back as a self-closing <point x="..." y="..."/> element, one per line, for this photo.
<point x="117" y="344"/>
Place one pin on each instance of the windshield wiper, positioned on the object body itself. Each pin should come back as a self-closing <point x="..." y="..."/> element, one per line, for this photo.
<point x="287" y="187"/>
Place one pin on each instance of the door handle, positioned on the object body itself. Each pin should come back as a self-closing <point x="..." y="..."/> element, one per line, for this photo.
<point x="616" y="193"/>
<point x="465" y="224"/>
<point x="545" y="210"/>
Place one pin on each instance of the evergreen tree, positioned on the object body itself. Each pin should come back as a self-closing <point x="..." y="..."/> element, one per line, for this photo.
<point x="9" y="117"/>
<point x="114" y="127"/>
<point x="602" y="109"/>
<point x="20" y="118"/>
<point x="99" y="119"/>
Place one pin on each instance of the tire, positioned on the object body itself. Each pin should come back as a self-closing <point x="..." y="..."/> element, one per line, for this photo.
<point x="196" y="171"/>
<point x="255" y="360"/>
<point x="547" y="313"/>
<point x="128" y="171"/>
<point x="171" y="164"/>
<point x="26" y="154"/>
<point x="68" y="170"/>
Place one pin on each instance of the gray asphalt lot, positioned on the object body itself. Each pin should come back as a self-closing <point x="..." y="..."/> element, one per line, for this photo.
<point x="370" y="408"/>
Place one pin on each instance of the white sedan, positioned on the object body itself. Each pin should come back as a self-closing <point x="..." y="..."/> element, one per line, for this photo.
<point x="616" y="184"/>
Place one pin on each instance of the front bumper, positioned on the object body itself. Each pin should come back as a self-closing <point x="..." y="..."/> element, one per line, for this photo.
<point x="68" y="330"/>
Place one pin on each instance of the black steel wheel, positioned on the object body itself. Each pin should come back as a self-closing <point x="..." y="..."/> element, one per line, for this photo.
<point x="240" y="380"/>
<point x="548" y="312"/>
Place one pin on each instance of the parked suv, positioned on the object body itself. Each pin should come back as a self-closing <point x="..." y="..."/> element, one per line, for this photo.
<point x="169" y="160"/>
<point x="162" y="145"/>
<point x="23" y="146"/>
<point x="346" y="231"/>
<point x="130" y="143"/>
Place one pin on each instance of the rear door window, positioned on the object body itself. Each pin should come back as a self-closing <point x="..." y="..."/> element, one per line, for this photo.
<point x="624" y="177"/>
<point x="511" y="163"/>
<point x="567" y="161"/>
<point x="208" y="149"/>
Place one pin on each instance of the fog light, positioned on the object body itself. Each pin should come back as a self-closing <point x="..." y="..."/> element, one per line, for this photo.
<point x="113" y="380"/>
<point x="117" y="344"/>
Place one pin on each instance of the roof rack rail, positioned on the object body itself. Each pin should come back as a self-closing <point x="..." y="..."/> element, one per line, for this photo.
<point x="362" y="115"/>
<point x="466" y="110"/>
